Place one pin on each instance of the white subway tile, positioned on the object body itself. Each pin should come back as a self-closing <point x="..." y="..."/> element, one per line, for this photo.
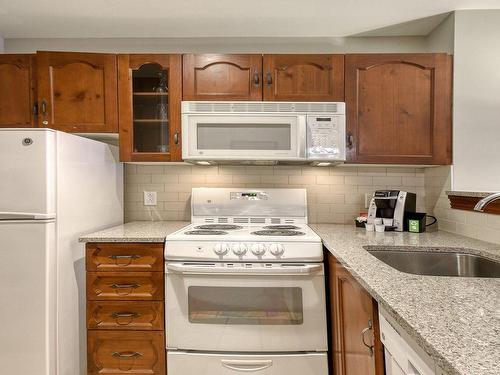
<point x="387" y="180"/>
<point x="150" y="169"/>
<point x="246" y="179"/>
<point x="358" y="180"/>
<point x="166" y="178"/>
<point x="192" y="178"/>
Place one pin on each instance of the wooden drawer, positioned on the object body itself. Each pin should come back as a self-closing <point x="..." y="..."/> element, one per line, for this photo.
<point x="124" y="257"/>
<point x="137" y="353"/>
<point x="148" y="316"/>
<point x="125" y="286"/>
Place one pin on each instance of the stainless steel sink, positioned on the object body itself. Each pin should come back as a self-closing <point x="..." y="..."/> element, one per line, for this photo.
<point x="438" y="263"/>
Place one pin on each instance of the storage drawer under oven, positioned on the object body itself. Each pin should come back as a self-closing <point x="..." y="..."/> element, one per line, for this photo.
<point x="246" y="308"/>
<point x="182" y="363"/>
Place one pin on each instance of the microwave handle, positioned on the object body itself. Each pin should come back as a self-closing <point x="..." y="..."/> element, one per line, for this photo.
<point x="186" y="269"/>
<point x="246" y="365"/>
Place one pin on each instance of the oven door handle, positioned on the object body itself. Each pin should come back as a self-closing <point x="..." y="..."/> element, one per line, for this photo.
<point x="300" y="270"/>
<point x="246" y="365"/>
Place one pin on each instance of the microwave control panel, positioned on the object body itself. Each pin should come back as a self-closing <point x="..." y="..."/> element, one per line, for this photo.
<point x="326" y="137"/>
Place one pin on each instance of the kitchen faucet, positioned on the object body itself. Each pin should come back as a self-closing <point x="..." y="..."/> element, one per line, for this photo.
<point x="486" y="201"/>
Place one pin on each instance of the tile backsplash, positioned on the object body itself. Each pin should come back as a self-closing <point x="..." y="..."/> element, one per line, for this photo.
<point x="335" y="195"/>
<point x="482" y="226"/>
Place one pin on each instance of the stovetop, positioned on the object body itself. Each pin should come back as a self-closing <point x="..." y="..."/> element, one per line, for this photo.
<point x="251" y="233"/>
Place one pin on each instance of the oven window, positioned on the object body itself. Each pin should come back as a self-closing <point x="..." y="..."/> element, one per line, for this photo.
<point x="243" y="305"/>
<point x="244" y="136"/>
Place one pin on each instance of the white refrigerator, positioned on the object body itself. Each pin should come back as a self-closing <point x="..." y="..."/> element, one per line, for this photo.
<point x="54" y="187"/>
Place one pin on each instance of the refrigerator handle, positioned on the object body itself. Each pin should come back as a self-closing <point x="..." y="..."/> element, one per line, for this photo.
<point x="25" y="216"/>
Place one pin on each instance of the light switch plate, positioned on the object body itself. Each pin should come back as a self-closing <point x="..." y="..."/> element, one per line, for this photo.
<point x="150" y="198"/>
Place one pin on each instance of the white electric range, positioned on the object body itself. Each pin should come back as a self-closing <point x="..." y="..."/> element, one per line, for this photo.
<point x="245" y="288"/>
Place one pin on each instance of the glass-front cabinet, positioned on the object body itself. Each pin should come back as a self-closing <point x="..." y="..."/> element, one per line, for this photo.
<point x="150" y="89"/>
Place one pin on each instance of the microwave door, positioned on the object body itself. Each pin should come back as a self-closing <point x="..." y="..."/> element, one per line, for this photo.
<point x="245" y="137"/>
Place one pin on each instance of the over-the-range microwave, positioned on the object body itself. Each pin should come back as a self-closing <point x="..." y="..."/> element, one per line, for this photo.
<point x="263" y="132"/>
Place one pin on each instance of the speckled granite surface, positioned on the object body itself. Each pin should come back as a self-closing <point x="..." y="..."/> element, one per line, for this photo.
<point x="136" y="231"/>
<point x="455" y="320"/>
<point x="473" y="194"/>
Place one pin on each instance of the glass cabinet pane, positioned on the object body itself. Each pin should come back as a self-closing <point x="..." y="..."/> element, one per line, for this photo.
<point x="245" y="305"/>
<point x="150" y="108"/>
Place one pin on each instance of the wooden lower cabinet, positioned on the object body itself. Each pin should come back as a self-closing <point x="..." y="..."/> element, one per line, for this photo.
<point x="356" y="348"/>
<point x="137" y="353"/>
<point x="125" y="309"/>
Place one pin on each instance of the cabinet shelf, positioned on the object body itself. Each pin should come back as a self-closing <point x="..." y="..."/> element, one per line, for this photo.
<point x="150" y="121"/>
<point x="153" y="94"/>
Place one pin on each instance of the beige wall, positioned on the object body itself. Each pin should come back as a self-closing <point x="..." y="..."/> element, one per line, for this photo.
<point x="222" y="45"/>
<point x="335" y="195"/>
<point x="476" y="102"/>
<point x="482" y="226"/>
<point x="442" y="38"/>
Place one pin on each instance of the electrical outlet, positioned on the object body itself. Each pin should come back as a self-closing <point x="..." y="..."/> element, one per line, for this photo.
<point x="150" y="198"/>
<point x="368" y="198"/>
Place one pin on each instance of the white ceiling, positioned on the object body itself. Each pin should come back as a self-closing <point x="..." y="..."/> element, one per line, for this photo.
<point x="216" y="18"/>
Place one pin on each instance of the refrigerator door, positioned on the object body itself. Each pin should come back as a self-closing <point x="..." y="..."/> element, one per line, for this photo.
<point x="27" y="174"/>
<point x="28" y="297"/>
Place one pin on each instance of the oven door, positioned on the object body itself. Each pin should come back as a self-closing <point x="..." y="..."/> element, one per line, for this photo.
<point x="243" y="137"/>
<point x="245" y="307"/>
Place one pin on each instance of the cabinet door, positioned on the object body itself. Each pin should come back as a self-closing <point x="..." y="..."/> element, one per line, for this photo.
<point x="150" y="99"/>
<point x="222" y="77"/>
<point x="17" y="91"/>
<point x="357" y="349"/>
<point x="399" y="108"/>
<point x="304" y="77"/>
<point x="77" y="92"/>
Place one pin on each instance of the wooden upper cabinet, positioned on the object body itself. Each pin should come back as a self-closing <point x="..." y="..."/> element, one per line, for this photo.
<point x="304" y="77"/>
<point x="150" y="93"/>
<point x="222" y="77"/>
<point x="77" y="92"/>
<point x="17" y="91"/>
<point x="357" y="349"/>
<point x="399" y="108"/>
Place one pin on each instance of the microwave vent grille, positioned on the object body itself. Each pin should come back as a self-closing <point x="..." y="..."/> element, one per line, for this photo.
<point x="275" y="220"/>
<point x="289" y="221"/>
<point x="209" y="220"/>
<point x="240" y="220"/>
<point x="257" y="220"/>
<point x="222" y="220"/>
<point x="265" y="107"/>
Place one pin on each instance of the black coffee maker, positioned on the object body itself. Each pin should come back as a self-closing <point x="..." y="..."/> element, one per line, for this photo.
<point x="392" y="204"/>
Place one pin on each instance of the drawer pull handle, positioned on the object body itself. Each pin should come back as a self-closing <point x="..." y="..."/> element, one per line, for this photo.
<point x="369" y="328"/>
<point x="125" y="315"/>
<point x="124" y="286"/>
<point x="131" y="256"/>
<point x="126" y="355"/>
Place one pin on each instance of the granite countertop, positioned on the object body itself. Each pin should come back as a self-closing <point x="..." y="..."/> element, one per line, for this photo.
<point x="136" y="231"/>
<point x="455" y="320"/>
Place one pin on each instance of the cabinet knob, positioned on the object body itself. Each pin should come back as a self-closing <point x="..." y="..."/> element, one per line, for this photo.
<point x="256" y="79"/>
<point x="350" y="140"/>
<point x="269" y="79"/>
<point x="176" y="138"/>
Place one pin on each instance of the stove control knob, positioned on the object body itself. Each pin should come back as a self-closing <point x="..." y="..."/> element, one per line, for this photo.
<point x="221" y="249"/>
<point x="239" y="249"/>
<point x="258" y="249"/>
<point x="276" y="249"/>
